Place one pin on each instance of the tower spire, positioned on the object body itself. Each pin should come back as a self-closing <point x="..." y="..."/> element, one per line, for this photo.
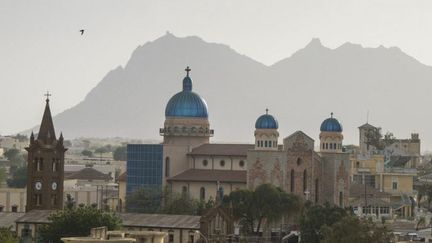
<point x="187" y="81"/>
<point x="46" y="130"/>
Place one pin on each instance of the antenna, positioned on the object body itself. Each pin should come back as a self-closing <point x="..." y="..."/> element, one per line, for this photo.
<point x="367" y="117"/>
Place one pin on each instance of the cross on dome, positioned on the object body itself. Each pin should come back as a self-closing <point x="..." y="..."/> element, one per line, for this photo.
<point x="267" y="111"/>
<point x="187" y="71"/>
<point x="331" y="115"/>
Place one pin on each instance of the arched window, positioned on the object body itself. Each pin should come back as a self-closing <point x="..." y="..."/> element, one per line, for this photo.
<point x="316" y="190"/>
<point x="265" y="143"/>
<point x="202" y="193"/>
<point x="292" y="180"/>
<point x="299" y="161"/>
<point x="334" y="146"/>
<point x="167" y="167"/>
<point x="326" y="146"/>
<point x="304" y="180"/>
<point x="331" y="146"/>
<point x="242" y="163"/>
<point x="323" y="146"/>
<point x="222" y="163"/>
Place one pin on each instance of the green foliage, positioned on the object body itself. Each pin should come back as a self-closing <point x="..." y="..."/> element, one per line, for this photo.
<point x="87" y="153"/>
<point x="15" y="157"/>
<point x="179" y="204"/>
<point x="19" y="178"/>
<point x="70" y="202"/>
<point x="7" y="236"/>
<point x="316" y="217"/>
<point x="144" y="200"/>
<point x="2" y="174"/>
<point x="266" y="202"/>
<point x="77" y="222"/>
<point x="154" y="200"/>
<point x="375" y="138"/>
<point x="353" y="229"/>
<point x="120" y="153"/>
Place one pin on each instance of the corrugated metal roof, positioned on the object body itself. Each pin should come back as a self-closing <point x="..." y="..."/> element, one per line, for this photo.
<point x="160" y="221"/>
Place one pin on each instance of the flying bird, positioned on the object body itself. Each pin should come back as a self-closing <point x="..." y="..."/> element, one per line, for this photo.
<point x="82" y="32"/>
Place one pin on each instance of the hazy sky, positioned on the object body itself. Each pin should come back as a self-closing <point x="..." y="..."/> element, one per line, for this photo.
<point x="41" y="47"/>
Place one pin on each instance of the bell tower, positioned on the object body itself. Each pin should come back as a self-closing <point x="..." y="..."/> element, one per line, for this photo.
<point x="45" y="166"/>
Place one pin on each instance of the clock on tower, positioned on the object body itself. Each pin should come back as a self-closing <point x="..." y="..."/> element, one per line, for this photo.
<point x="45" y="166"/>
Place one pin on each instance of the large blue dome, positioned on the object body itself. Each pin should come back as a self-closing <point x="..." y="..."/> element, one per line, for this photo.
<point x="331" y="125"/>
<point x="266" y="121"/>
<point x="186" y="103"/>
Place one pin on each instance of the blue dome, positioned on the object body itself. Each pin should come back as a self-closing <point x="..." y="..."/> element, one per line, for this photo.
<point x="186" y="103"/>
<point x="266" y="121"/>
<point x="331" y="125"/>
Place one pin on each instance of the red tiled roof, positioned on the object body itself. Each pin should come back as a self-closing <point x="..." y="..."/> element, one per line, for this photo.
<point x="196" y="175"/>
<point x="222" y="149"/>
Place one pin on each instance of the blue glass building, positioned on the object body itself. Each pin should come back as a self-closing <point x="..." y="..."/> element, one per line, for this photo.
<point x="144" y="166"/>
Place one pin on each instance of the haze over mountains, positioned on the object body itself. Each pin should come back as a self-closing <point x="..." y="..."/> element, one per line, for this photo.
<point x="300" y="91"/>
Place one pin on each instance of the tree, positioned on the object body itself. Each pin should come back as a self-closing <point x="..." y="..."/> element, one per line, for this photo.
<point x="120" y="153"/>
<point x="70" y="202"/>
<point x="7" y="236"/>
<point x="375" y="138"/>
<point x="144" y="200"/>
<point x="2" y="175"/>
<point x="266" y="202"/>
<point x="180" y="204"/>
<point x="352" y="229"/>
<point x="15" y="157"/>
<point x="77" y="222"/>
<point x="316" y="217"/>
<point x="19" y="178"/>
<point x="87" y="153"/>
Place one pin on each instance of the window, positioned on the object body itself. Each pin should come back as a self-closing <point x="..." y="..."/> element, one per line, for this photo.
<point x="316" y="190"/>
<point x="340" y="199"/>
<point x="39" y="164"/>
<point x="265" y="143"/>
<point x="184" y="189"/>
<point x="334" y="146"/>
<point x="202" y="193"/>
<point x="357" y="164"/>
<point x="54" y="199"/>
<point x="167" y="166"/>
<point x="222" y="163"/>
<point x="323" y="146"/>
<point x="242" y="163"/>
<point x="326" y="146"/>
<point x="292" y="181"/>
<point x="170" y="236"/>
<point x="331" y="146"/>
<point x="1" y="208"/>
<point x="14" y="208"/>
<point x="299" y="161"/>
<point x="304" y="181"/>
<point x="395" y="185"/>
<point x="55" y="163"/>
<point x="205" y="162"/>
<point x="38" y="199"/>
<point x="261" y="143"/>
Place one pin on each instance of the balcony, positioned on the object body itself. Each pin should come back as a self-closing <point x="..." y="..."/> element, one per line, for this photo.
<point x="398" y="170"/>
<point x="186" y="132"/>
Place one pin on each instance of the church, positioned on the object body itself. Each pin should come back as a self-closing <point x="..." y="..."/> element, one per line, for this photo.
<point x="187" y="162"/>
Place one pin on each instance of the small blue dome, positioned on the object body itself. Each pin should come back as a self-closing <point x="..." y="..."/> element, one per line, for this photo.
<point x="266" y="121"/>
<point x="186" y="103"/>
<point x="331" y="125"/>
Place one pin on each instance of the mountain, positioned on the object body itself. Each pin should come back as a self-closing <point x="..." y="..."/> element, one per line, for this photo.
<point x="300" y="91"/>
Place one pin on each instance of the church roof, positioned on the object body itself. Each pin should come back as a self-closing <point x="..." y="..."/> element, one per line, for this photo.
<point x="236" y="176"/>
<point x="88" y="174"/>
<point x="222" y="149"/>
<point x="46" y="130"/>
<point x="36" y="216"/>
<point x="7" y="219"/>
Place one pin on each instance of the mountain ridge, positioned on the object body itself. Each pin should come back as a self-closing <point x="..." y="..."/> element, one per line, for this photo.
<point x="130" y="101"/>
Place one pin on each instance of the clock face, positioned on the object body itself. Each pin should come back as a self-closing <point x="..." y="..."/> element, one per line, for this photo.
<point x="54" y="186"/>
<point x="38" y="185"/>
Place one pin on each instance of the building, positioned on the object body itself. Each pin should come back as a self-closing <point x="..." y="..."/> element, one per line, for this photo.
<point x="390" y="168"/>
<point x="45" y="166"/>
<point x="186" y="161"/>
